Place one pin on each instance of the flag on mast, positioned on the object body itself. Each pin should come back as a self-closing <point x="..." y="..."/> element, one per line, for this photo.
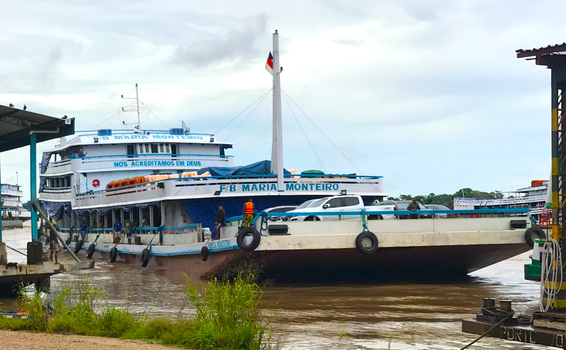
<point x="269" y="64"/>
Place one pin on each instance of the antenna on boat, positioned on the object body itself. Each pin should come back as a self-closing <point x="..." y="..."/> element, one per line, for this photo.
<point x="137" y="127"/>
<point x="277" y="144"/>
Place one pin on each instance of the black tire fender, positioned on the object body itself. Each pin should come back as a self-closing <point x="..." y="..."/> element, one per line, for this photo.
<point x="78" y="246"/>
<point x="204" y="253"/>
<point x="144" y="259"/>
<point x="90" y="251"/>
<point x="68" y="241"/>
<point x="532" y="233"/>
<point x="113" y="254"/>
<point x="363" y="237"/>
<point x="246" y="232"/>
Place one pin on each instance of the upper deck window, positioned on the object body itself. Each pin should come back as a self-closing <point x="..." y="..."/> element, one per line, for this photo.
<point x="154" y="148"/>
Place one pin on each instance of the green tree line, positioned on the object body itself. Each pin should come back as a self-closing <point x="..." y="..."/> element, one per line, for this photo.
<point x="448" y="199"/>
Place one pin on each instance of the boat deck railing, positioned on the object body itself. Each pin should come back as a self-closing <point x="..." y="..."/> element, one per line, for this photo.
<point x="141" y="132"/>
<point x="503" y="201"/>
<point x="374" y="214"/>
<point x="140" y="230"/>
<point x="248" y="183"/>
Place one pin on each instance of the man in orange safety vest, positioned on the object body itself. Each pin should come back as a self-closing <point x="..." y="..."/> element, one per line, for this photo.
<point x="248" y="212"/>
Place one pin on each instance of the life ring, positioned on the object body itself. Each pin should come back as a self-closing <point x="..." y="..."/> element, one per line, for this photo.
<point x="96" y="182"/>
<point x="144" y="259"/>
<point x="90" y="250"/>
<point x="113" y="254"/>
<point x="204" y="253"/>
<point x="78" y="246"/>
<point x="248" y="239"/>
<point x="532" y="233"/>
<point x="367" y="242"/>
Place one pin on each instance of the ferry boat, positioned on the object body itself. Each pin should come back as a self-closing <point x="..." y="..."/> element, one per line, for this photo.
<point x="168" y="186"/>
<point x="533" y="197"/>
<point x="11" y="205"/>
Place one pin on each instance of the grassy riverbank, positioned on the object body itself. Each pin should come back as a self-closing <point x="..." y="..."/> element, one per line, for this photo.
<point x="226" y="317"/>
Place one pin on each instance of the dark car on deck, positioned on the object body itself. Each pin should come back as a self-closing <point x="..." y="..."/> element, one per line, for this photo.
<point x="280" y="209"/>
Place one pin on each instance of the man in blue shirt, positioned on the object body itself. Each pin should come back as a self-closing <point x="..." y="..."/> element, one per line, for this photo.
<point x="117" y="229"/>
<point x="83" y="229"/>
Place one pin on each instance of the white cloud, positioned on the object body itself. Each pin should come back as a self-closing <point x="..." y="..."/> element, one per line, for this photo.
<point x="428" y="94"/>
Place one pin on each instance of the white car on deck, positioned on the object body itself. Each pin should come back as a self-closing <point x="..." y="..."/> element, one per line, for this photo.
<point x="336" y="204"/>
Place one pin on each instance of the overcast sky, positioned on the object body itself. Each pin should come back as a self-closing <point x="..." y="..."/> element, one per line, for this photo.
<point x="428" y="94"/>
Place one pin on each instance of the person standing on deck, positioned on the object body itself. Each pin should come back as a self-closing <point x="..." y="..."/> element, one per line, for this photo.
<point x="83" y="228"/>
<point x="220" y="220"/>
<point x="54" y="243"/>
<point x="414" y="206"/>
<point x="248" y="212"/>
<point x="128" y="230"/>
<point x="117" y="229"/>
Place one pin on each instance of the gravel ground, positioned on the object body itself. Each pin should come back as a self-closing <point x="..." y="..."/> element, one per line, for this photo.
<point x="42" y="341"/>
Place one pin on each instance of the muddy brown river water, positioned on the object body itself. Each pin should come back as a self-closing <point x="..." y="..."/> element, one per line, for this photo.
<point x="389" y="316"/>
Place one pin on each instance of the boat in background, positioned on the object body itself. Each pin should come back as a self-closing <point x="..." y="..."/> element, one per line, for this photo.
<point x="533" y="198"/>
<point x="11" y="206"/>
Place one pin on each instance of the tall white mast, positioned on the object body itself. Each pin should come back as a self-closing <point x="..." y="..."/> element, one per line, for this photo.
<point x="277" y="145"/>
<point x="137" y="128"/>
<point x="138" y="106"/>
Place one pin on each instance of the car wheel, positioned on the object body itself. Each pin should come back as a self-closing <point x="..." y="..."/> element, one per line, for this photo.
<point x="312" y="218"/>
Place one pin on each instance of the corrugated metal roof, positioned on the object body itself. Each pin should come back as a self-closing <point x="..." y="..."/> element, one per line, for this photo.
<point x="16" y="124"/>
<point x="550" y="49"/>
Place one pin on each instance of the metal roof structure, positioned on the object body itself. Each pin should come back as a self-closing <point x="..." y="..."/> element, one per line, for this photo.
<point x="16" y="125"/>
<point x="550" y="49"/>
<point x="550" y="56"/>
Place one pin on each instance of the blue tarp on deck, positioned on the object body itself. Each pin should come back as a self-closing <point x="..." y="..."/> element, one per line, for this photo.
<point x="55" y="210"/>
<point x="259" y="168"/>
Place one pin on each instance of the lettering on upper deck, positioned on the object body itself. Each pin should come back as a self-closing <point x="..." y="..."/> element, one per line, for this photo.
<point x="154" y="163"/>
<point x="150" y="137"/>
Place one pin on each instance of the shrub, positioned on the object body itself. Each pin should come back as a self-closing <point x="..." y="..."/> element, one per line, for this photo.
<point x="114" y="322"/>
<point x="227" y="316"/>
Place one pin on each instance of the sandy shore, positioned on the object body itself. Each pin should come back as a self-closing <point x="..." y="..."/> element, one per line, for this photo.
<point x="42" y="341"/>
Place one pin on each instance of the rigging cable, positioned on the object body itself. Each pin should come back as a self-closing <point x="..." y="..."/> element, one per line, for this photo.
<point x="231" y="120"/>
<point x="333" y="144"/>
<point x="112" y="116"/>
<point x="257" y="105"/>
<point x="301" y="127"/>
<point x="551" y="270"/>
<point x="169" y="115"/>
<point x="149" y="109"/>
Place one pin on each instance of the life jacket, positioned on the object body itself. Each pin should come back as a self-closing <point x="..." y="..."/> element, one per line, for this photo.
<point x="249" y="208"/>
